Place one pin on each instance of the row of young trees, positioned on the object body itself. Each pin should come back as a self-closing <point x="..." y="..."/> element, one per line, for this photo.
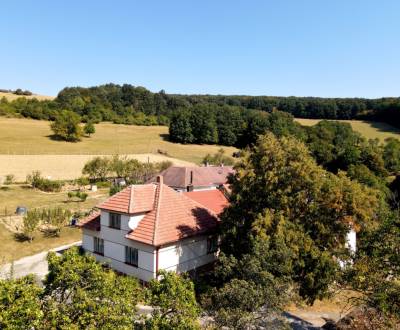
<point x="136" y="105"/>
<point x="133" y="171"/>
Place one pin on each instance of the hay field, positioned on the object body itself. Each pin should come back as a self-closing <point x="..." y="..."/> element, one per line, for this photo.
<point x="62" y="167"/>
<point x="26" y="145"/>
<point x="369" y="129"/>
<point x="11" y="96"/>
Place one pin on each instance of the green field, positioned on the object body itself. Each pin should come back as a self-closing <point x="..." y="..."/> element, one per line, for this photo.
<point x="33" y="137"/>
<point x="369" y="129"/>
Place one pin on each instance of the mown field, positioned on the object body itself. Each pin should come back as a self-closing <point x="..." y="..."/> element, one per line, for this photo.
<point x="369" y="129"/>
<point x="34" y="138"/>
<point x="11" y="96"/>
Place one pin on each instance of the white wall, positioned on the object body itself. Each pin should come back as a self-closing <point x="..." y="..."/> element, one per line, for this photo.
<point x="185" y="255"/>
<point x="181" y="257"/>
<point x="351" y="241"/>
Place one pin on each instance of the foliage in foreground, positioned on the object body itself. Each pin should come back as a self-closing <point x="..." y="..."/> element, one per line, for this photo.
<point x="174" y="302"/>
<point x="78" y="293"/>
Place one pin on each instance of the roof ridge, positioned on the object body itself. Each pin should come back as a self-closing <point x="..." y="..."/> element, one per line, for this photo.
<point x="130" y="208"/>
<point x="157" y="201"/>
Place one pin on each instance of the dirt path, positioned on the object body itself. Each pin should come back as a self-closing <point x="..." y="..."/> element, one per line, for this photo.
<point x="36" y="264"/>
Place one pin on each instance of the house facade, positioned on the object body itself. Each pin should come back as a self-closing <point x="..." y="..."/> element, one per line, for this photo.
<point x="146" y="228"/>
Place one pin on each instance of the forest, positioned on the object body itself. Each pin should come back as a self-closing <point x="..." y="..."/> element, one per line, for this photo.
<point x="137" y="105"/>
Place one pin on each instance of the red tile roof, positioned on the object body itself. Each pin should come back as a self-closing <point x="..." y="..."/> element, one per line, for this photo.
<point x="214" y="200"/>
<point x="91" y="222"/>
<point x="198" y="176"/>
<point x="133" y="199"/>
<point x="170" y="216"/>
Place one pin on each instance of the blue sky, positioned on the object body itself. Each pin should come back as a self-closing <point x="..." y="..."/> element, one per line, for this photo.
<point x="335" y="48"/>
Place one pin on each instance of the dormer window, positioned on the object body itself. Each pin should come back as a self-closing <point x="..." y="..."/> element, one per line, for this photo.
<point x="115" y="220"/>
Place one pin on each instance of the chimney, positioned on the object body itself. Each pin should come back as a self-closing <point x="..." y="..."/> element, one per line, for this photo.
<point x="160" y="179"/>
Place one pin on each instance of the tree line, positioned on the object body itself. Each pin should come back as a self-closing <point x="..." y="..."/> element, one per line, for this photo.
<point x="128" y="104"/>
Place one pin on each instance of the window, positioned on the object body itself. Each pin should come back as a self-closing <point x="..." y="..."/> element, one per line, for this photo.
<point x="115" y="220"/>
<point x="212" y="244"/>
<point x="98" y="246"/>
<point x="131" y="256"/>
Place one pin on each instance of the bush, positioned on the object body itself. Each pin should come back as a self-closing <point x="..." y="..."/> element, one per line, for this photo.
<point x="9" y="179"/>
<point x="81" y="195"/>
<point x="66" y="126"/>
<point x="114" y="189"/>
<point x="38" y="182"/>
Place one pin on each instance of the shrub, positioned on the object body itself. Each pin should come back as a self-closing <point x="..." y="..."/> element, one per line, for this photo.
<point x="114" y="189"/>
<point x="30" y="223"/>
<point x="9" y="179"/>
<point x="38" y="182"/>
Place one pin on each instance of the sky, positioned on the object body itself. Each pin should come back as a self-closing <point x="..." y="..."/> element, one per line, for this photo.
<point x="337" y="48"/>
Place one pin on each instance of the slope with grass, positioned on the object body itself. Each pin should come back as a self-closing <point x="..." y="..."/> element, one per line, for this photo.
<point x="24" y="141"/>
<point x="12" y="96"/>
<point x="369" y="129"/>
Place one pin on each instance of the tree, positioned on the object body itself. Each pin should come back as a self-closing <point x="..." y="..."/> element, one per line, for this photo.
<point x="97" y="168"/>
<point x="30" y="223"/>
<point x="66" y="126"/>
<point x="282" y="200"/>
<point x="20" y="304"/>
<point x="180" y="129"/>
<point x="89" y="128"/>
<point x="81" y="294"/>
<point x="391" y="155"/>
<point x="218" y="158"/>
<point x="174" y="302"/>
<point x="376" y="269"/>
<point x="204" y="125"/>
<point x="56" y="218"/>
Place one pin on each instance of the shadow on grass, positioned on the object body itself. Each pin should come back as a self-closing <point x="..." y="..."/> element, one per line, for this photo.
<point x="20" y="237"/>
<point x="383" y="127"/>
<point x="50" y="232"/>
<point x="164" y="136"/>
<point x="58" y="138"/>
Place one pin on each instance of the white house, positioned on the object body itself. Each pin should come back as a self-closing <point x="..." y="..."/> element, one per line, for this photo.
<point x="146" y="228"/>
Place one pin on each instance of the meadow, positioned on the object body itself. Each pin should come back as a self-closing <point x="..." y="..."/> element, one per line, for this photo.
<point x="11" y="96"/>
<point x="27" y="145"/>
<point x="369" y="129"/>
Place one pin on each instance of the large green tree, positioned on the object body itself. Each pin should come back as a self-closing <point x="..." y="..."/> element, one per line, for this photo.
<point x="66" y="126"/>
<point x="81" y="294"/>
<point x="174" y="302"/>
<point x="180" y="129"/>
<point x="282" y="200"/>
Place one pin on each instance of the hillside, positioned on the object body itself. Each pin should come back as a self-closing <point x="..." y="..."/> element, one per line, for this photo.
<point x="11" y="96"/>
<point x="27" y="145"/>
<point x="369" y="129"/>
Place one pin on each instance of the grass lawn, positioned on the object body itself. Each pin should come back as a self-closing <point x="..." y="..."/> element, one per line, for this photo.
<point x="22" y="195"/>
<point x="369" y="129"/>
<point x="33" y="137"/>
<point x="10" y="247"/>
